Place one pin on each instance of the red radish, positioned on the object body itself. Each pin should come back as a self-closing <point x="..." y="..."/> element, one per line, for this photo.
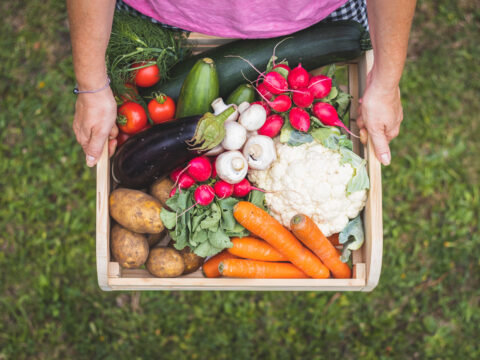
<point x="265" y="106"/>
<point x="204" y="195"/>
<point x="175" y="174"/>
<point x="272" y="126"/>
<point x="263" y="91"/>
<point x="298" y="77"/>
<point x="242" y="188"/>
<point x="214" y="169"/>
<point x="320" y="86"/>
<point x="328" y="115"/>
<point x="302" y="98"/>
<point x="299" y="119"/>
<point x="223" y="189"/>
<point x="172" y="192"/>
<point x="185" y="181"/>
<point x="281" y="103"/>
<point x="285" y="66"/>
<point x="200" y="168"/>
<point x="275" y="83"/>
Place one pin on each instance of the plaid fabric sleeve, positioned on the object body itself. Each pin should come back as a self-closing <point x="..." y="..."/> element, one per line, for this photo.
<point x="351" y="10"/>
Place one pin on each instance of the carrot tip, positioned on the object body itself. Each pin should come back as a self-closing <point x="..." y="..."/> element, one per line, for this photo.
<point x="220" y="267"/>
<point x="297" y="219"/>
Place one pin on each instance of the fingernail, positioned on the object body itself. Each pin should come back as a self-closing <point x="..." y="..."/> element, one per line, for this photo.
<point x="90" y="161"/>
<point x="385" y="158"/>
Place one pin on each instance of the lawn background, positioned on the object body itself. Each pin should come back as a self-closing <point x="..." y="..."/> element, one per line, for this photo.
<point x="425" y="307"/>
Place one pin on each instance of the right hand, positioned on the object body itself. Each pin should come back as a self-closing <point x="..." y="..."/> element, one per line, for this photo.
<point x="94" y="122"/>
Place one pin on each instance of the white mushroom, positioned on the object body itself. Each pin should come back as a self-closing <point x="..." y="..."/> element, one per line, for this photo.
<point x="259" y="152"/>
<point x="243" y="106"/>
<point x="235" y="136"/>
<point x="215" y="151"/>
<point x="253" y="118"/>
<point x="231" y="166"/>
<point x="219" y="106"/>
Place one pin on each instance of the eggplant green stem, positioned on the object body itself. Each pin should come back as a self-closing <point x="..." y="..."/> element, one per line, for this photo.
<point x="210" y="130"/>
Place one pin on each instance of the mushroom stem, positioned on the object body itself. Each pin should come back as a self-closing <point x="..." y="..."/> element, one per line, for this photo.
<point x="255" y="151"/>
<point x="237" y="164"/>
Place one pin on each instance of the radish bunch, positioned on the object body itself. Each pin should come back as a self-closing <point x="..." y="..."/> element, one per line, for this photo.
<point x="294" y="95"/>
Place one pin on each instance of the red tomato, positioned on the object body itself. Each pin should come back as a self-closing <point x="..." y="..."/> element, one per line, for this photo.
<point x="146" y="76"/>
<point x="161" y="108"/>
<point x="131" y="117"/>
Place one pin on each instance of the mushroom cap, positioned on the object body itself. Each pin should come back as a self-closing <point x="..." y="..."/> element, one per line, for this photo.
<point x="253" y="118"/>
<point x="235" y="136"/>
<point x="231" y="166"/>
<point x="260" y="152"/>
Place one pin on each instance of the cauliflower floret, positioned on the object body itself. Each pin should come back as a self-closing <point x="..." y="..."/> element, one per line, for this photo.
<point x="309" y="179"/>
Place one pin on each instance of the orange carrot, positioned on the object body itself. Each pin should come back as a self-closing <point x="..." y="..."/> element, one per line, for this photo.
<point x="308" y="232"/>
<point x="334" y="239"/>
<point x="265" y="226"/>
<point x="254" y="269"/>
<point x="255" y="249"/>
<point x="210" y="267"/>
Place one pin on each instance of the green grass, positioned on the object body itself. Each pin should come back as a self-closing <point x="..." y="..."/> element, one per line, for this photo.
<point x="425" y="307"/>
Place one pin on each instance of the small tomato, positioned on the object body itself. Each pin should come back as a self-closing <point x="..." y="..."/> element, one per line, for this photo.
<point x="161" y="108"/>
<point x="146" y="76"/>
<point x="131" y="117"/>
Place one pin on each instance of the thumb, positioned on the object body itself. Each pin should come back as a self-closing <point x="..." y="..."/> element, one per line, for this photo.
<point x="94" y="148"/>
<point x="382" y="150"/>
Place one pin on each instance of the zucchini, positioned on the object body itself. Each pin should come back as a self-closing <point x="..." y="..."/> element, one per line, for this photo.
<point x="244" y="92"/>
<point x="153" y="153"/>
<point x="199" y="89"/>
<point x="319" y="45"/>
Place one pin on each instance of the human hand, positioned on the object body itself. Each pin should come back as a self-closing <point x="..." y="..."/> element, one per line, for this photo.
<point x="94" y="121"/>
<point x="380" y="113"/>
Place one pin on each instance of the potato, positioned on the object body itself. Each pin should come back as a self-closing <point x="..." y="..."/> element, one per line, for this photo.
<point x="136" y="211"/>
<point x="129" y="249"/>
<point x="192" y="260"/>
<point x="161" y="190"/>
<point x="165" y="262"/>
<point x="153" y="239"/>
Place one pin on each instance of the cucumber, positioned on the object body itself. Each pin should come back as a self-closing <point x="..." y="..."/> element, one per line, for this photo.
<point x="199" y="89"/>
<point x="244" y="92"/>
<point x="319" y="45"/>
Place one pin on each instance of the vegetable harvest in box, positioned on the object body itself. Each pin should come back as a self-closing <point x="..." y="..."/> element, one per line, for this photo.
<point x="253" y="187"/>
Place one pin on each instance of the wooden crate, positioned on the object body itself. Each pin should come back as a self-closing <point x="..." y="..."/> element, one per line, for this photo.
<point x="367" y="261"/>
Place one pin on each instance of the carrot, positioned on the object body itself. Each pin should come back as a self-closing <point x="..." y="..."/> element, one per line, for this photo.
<point x="334" y="239"/>
<point x="255" y="249"/>
<point x="308" y="232"/>
<point x="210" y="267"/>
<point x="260" y="223"/>
<point x="254" y="269"/>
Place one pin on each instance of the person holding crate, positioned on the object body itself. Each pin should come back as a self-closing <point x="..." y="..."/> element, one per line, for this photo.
<point x="380" y="111"/>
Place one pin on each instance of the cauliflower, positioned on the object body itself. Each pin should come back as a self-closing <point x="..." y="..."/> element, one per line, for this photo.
<point x="310" y="179"/>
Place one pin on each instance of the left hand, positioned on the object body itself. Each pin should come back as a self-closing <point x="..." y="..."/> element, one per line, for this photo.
<point x="381" y="113"/>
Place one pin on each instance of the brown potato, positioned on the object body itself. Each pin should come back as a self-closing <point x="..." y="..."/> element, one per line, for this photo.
<point x="165" y="262"/>
<point x="136" y="211"/>
<point x="129" y="249"/>
<point x="154" y="239"/>
<point x="192" y="260"/>
<point x="161" y="190"/>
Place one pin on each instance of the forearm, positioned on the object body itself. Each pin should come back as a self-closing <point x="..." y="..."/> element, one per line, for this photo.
<point x="389" y="22"/>
<point x="90" y="27"/>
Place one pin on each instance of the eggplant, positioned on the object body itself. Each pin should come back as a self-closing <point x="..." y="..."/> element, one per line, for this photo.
<point x="154" y="153"/>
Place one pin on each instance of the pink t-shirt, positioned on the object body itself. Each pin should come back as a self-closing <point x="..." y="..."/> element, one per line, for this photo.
<point x="238" y="18"/>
